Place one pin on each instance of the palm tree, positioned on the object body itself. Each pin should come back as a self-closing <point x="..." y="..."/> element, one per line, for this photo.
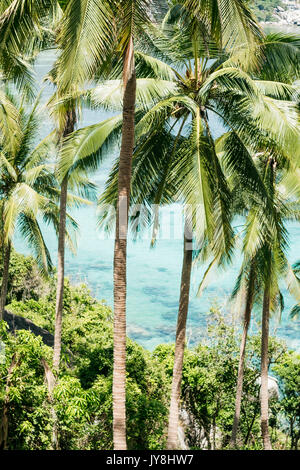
<point x="132" y="16"/>
<point x="231" y="23"/>
<point x="261" y="272"/>
<point x="82" y="33"/>
<point x="28" y="189"/>
<point x="250" y="286"/>
<point x="90" y="42"/>
<point x="70" y="119"/>
<point x="166" y="162"/>
<point x="188" y="187"/>
<point x="26" y="28"/>
<point x="19" y="20"/>
<point x="274" y="67"/>
<point x="172" y="98"/>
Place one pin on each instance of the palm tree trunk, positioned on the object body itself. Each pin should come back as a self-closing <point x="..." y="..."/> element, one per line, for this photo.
<point x="264" y="393"/>
<point x="6" y="261"/>
<point x="5" y="410"/>
<point x="120" y="251"/>
<point x="180" y="341"/>
<point x="239" y="387"/>
<point x="50" y="380"/>
<point x="60" y="274"/>
<point x="69" y="127"/>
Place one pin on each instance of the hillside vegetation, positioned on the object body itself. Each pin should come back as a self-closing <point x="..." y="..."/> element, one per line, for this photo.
<point x="264" y="8"/>
<point x="82" y="400"/>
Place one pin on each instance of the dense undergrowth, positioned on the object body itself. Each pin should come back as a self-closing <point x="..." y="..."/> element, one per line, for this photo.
<point x="82" y="399"/>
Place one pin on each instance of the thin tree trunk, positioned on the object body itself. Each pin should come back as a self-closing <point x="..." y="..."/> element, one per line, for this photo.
<point x="69" y="127"/>
<point x="180" y="341"/>
<point x="120" y="251"/>
<point x="239" y="388"/>
<point x="264" y="393"/>
<point x="60" y="274"/>
<point x="50" y="381"/>
<point x="256" y="410"/>
<point x="6" y="261"/>
<point x="4" y="420"/>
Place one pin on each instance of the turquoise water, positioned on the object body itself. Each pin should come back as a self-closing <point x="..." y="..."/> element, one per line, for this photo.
<point x="153" y="274"/>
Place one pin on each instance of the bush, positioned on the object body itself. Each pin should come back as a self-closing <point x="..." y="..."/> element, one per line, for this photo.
<point x="264" y="9"/>
<point x="82" y="400"/>
<point x="25" y="280"/>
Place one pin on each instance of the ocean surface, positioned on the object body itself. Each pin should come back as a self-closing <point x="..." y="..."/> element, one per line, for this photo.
<point x="153" y="273"/>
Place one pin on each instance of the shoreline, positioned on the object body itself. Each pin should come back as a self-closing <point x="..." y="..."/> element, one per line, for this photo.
<point x="285" y="16"/>
<point x="279" y="25"/>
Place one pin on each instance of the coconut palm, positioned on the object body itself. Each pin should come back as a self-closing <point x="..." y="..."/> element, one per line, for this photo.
<point x="88" y="38"/>
<point x="273" y="265"/>
<point x="277" y="66"/>
<point x="133" y="13"/>
<point x="19" y="20"/>
<point x="250" y="279"/>
<point x="29" y="190"/>
<point x="26" y="27"/>
<point x="231" y="23"/>
<point x="189" y="185"/>
<point x="70" y="119"/>
<point x="261" y="272"/>
<point x="83" y="31"/>
<point x="74" y="179"/>
<point x="181" y="99"/>
<point x="162" y="156"/>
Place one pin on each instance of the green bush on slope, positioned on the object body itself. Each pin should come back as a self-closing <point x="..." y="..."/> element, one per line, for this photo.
<point x="264" y="9"/>
<point x="83" y="396"/>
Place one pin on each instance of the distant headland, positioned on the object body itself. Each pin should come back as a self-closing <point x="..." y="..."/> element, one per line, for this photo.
<point x="283" y="12"/>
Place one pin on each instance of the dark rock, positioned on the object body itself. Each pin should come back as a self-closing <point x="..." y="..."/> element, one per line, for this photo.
<point x="15" y="322"/>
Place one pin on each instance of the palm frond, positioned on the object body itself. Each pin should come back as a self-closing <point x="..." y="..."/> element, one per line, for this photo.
<point x="109" y="95"/>
<point x="295" y="312"/>
<point x="231" y="22"/>
<point x="86" y="38"/>
<point x="30" y="230"/>
<point x="85" y="148"/>
<point x="10" y="129"/>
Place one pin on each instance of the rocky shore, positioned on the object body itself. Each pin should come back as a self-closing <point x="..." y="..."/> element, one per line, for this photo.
<point x="289" y="14"/>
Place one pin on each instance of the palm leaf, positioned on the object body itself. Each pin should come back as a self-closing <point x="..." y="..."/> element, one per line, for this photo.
<point x="30" y="230"/>
<point x="86" y="37"/>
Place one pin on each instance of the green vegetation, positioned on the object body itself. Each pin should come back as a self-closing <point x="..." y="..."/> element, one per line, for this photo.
<point x="24" y="281"/>
<point x="163" y="76"/>
<point x="82" y="399"/>
<point x="264" y="9"/>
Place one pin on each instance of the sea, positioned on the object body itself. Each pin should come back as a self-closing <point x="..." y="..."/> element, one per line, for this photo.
<point x="153" y="273"/>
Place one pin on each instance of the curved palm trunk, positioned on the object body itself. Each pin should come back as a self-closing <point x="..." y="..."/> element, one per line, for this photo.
<point x="69" y="127"/>
<point x="239" y="387"/>
<point x="264" y="394"/>
<point x="125" y="164"/>
<point x="180" y="341"/>
<point x="6" y="261"/>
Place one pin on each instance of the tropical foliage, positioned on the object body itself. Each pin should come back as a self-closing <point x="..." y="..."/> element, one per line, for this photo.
<point x="165" y="71"/>
<point x="83" y="400"/>
<point x="264" y="9"/>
